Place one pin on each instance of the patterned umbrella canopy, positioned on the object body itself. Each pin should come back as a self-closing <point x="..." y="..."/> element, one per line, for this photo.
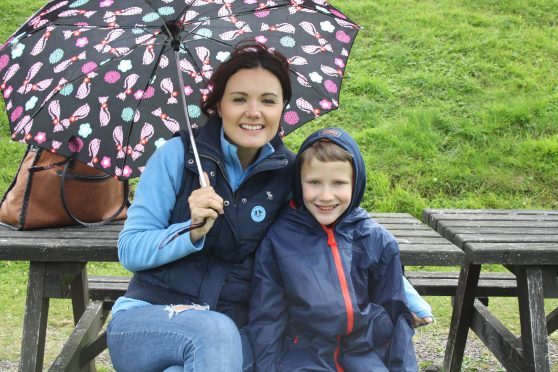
<point x="100" y="79"/>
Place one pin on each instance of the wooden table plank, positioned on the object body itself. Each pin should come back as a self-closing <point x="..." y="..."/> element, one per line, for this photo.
<point x="58" y="250"/>
<point x="512" y="253"/>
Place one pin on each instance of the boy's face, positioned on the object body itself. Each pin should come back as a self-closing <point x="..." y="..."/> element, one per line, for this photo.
<point x="327" y="188"/>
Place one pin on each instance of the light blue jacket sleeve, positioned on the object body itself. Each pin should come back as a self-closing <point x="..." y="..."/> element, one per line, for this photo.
<point x="147" y="240"/>
<point x="415" y="302"/>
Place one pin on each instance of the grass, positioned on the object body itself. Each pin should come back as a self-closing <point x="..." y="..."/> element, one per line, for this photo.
<point x="453" y="103"/>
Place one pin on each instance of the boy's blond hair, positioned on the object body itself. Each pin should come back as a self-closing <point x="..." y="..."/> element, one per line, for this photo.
<point x="325" y="151"/>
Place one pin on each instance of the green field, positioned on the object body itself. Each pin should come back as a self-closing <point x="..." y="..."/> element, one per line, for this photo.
<point x="454" y="105"/>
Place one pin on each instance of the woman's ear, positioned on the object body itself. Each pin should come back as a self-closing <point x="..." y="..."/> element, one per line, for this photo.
<point x="218" y="106"/>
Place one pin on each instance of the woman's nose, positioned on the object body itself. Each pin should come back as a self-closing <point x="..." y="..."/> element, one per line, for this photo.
<point x="253" y="111"/>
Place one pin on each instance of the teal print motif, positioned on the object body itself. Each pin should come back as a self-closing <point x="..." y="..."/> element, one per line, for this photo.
<point x="67" y="90"/>
<point x="85" y="130"/>
<point x="17" y="50"/>
<point x="30" y="104"/>
<point x="204" y="32"/>
<point x="150" y="17"/>
<point x="194" y="111"/>
<point x="258" y="214"/>
<point x="78" y="3"/>
<point x="56" y="56"/>
<point x="288" y="41"/>
<point x="166" y="10"/>
<point x="127" y="114"/>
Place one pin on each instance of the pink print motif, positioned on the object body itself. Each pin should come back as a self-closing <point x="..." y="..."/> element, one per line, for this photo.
<point x="262" y="13"/>
<point x="82" y="41"/>
<point x="112" y="77"/>
<point x="106" y="3"/>
<point x="8" y="91"/>
<point x="330" y="86"/>
<point x="105" y="163"/>
<point x="4" y="59"/>
<point x="261" y="39"/>
<point x="342" y="37"/>
<point x="291" y="117"/>
<point x="149" y="92"/>
<point x="338" y="13"/>
<point x="40" y="137"/>
<point x="127" y="171"/>
<point x="188" y="90"/>
<point x="16" y="113"/>
<point x="325" y="104"/>
<point x="339" y="62"/>
<point x="88" y="67"/>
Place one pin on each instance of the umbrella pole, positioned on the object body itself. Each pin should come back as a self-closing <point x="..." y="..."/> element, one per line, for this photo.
<point x="188" y="125"/>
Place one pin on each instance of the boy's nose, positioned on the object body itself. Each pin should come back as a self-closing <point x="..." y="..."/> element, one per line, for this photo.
<point x="326" y="194"/>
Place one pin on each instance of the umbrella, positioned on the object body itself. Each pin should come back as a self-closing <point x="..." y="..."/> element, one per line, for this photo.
<point x="109" y="81"/>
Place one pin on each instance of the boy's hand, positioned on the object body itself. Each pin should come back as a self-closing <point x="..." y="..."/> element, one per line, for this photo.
<point x="419" y="322"/>
<point x="205" y="204"/>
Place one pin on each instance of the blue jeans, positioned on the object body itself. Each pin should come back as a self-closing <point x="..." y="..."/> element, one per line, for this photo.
<point x="146" y="338"/>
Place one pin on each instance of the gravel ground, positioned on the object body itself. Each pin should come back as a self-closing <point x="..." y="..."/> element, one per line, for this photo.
<point x="430" y="345"/>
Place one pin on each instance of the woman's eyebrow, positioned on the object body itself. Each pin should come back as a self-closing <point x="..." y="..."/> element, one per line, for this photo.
<point x="263" y="94"/>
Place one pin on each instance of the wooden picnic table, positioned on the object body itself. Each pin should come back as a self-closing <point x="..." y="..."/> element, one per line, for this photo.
<point x="58" y="269"/>
<point x="526" y="243"/>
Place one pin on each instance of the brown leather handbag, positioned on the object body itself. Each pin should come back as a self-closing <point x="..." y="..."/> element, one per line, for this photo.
<point x="50" y="190"/>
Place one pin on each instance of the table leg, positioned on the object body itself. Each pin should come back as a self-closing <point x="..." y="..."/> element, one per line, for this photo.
<point x="79" y="290"/>
<point x="34" y="320"/>
<point x="461" y="316"/>
<point x="532" y="317"/>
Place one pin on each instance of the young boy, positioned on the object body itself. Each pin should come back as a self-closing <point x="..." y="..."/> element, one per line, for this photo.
<point x="327" y="290"/>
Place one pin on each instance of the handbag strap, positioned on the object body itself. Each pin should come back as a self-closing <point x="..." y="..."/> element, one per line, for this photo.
<point x="65" y="175"/>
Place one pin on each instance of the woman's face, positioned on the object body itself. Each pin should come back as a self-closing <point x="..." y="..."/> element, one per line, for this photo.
<point x="251" y="109"/>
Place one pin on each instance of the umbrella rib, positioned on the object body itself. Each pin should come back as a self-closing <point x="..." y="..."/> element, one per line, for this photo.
<point x="148" y="2"/>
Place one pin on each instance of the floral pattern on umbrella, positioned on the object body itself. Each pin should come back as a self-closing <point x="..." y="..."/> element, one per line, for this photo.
<point x="97" y="79"/>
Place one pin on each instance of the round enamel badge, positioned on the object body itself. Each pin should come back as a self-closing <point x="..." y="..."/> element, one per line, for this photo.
<point x="258" y="214"/>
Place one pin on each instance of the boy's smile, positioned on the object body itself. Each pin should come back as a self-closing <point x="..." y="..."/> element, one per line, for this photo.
<point x="327" y="188"/>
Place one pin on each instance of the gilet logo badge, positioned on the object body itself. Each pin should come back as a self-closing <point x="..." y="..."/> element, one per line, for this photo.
<point x="258" y="214"/>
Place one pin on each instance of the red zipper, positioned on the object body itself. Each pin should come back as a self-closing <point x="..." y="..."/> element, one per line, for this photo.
<point x="344" y="290"/>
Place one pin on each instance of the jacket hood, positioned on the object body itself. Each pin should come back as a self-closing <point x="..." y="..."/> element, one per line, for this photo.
<point x="345" y="141"/>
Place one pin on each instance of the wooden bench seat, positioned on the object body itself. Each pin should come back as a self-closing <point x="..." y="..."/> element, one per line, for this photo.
<point x="430" y="283"/>
<point x="427" y="283"/>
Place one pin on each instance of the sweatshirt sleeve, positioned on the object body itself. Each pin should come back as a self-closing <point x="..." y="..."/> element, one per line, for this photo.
<point x="268" y="310"/>
<point x="388" y="291"/>
<point x="148" y="240"/>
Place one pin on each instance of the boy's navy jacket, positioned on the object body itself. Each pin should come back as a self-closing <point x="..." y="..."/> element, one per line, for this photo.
<point x="328" y="298"/>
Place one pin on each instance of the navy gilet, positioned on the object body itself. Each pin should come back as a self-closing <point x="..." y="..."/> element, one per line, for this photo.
<point x="219" y="275"/>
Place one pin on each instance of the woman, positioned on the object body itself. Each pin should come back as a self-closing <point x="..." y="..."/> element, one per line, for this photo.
<point x="189" y="293"/>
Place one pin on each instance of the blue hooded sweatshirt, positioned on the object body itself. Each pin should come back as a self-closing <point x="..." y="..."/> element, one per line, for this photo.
<point x="330" y="298"/>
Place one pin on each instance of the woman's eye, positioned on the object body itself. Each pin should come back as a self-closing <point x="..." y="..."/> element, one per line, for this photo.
<point x="239" y="99"/>
<point x="269" y="101"/>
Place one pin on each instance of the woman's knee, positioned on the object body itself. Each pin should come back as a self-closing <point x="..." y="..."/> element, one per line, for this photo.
<point x="221" y="328"/>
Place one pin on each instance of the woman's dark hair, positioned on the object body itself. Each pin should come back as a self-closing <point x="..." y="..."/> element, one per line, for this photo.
<point x="247" y="55"/>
